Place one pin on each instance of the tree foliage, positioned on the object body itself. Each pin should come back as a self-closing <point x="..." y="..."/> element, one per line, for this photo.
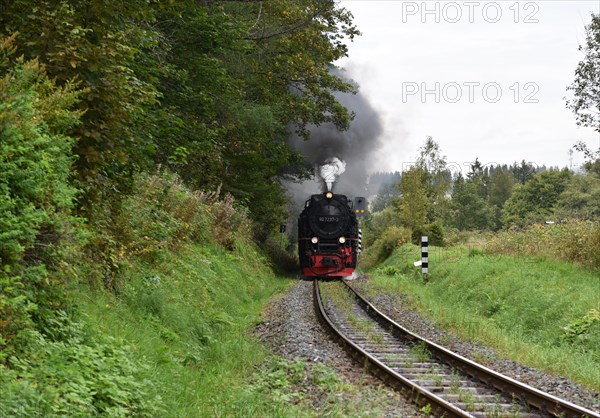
<point x="534" y="201"/>
<point x="592" y="158"/>
<point x="208" y="89"/>
<point x="501" y="185"/>
<point x="413" y="203"/>
<point x="580" y="199"/>
<point x="35" y="194"/>
<point x="586" y="87"/>
<point x="523" y="171"/>
<point x="489" y="198"/>
<point x="500" y="189"/>
<point x="95" y="43"/>
<point x="437" y="178"/>
<point x="294" y="44"/>
<point x="469" y="208"/>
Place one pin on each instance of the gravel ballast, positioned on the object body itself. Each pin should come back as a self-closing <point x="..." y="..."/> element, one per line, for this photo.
<point x="290" y="329"/>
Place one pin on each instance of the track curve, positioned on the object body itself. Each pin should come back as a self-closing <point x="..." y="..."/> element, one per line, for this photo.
<point x="439" y="381"/>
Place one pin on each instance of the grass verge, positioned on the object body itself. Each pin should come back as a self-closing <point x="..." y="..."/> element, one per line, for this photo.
<point x="186" y="317"/>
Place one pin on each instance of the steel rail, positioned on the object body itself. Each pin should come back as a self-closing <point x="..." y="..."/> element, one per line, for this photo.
<point x="408" y="388"/>
<point x="537" y="398"/>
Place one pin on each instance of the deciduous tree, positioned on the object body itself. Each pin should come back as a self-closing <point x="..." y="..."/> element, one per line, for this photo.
<point x="413" y="203"/>
<point x="586" y="87"/>
<point x="437" y="178"/>
<point x="535" y="200"/>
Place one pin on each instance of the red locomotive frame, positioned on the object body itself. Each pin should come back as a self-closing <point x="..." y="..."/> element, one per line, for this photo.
<point x="328" y="264"/>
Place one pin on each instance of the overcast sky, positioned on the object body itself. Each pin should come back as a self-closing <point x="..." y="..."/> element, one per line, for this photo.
<point x="485" y="79"/>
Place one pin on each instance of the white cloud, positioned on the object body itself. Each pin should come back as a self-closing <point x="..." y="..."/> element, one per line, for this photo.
<point x="390" y="53"/>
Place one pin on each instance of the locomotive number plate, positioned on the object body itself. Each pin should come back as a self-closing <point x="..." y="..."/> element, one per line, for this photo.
<point x="329" y="219"/>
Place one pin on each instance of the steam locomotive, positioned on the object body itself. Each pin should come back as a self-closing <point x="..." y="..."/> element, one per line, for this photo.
<point x="329" y="235"/>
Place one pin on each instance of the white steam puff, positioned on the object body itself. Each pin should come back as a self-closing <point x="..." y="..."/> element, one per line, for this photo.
<point x="330" y="171"/>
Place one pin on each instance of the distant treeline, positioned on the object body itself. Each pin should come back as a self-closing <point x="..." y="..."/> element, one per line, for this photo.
<point x="429" y="196"/>
<point x="522" y="172"/>
<point x="385" y="184"/>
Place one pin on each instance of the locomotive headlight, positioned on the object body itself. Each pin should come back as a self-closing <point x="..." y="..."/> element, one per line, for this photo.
<point x="314" y="240"/>
<point x="342" y="240"/>
<point x="329" y="195"/>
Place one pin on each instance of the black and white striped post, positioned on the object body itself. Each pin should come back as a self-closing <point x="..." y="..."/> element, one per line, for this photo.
<point x="359" y="241"/>
<point x="424" y="257"/>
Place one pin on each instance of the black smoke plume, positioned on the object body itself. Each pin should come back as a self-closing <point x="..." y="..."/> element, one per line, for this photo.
<point x="355" y="148"/>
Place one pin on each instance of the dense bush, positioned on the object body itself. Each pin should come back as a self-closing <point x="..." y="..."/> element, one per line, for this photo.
<point x="454" y="236"/>
<point x="434" y="232"/>
<point x="379" y="222"/>
<point x="584" y="331"/>
<point x="70" y="373"/>
<point x="160" y="213"/>
<point x="49" y="366"/>
<point x="35" y="158"/>
<point x="535" y="200"/>
<point x="35" y="194"/>
<point x="392" y="238"/>
<point x="581" y="198"/>
<point x="575" y="241"/>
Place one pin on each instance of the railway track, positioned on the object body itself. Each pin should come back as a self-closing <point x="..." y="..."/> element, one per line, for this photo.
<point x="439" y="381"/>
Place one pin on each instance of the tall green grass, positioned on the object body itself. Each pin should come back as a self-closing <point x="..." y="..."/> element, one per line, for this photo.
<point x="187" y="318"/>
<point x="538" y="311"/>
<point x="572" y="241"/>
